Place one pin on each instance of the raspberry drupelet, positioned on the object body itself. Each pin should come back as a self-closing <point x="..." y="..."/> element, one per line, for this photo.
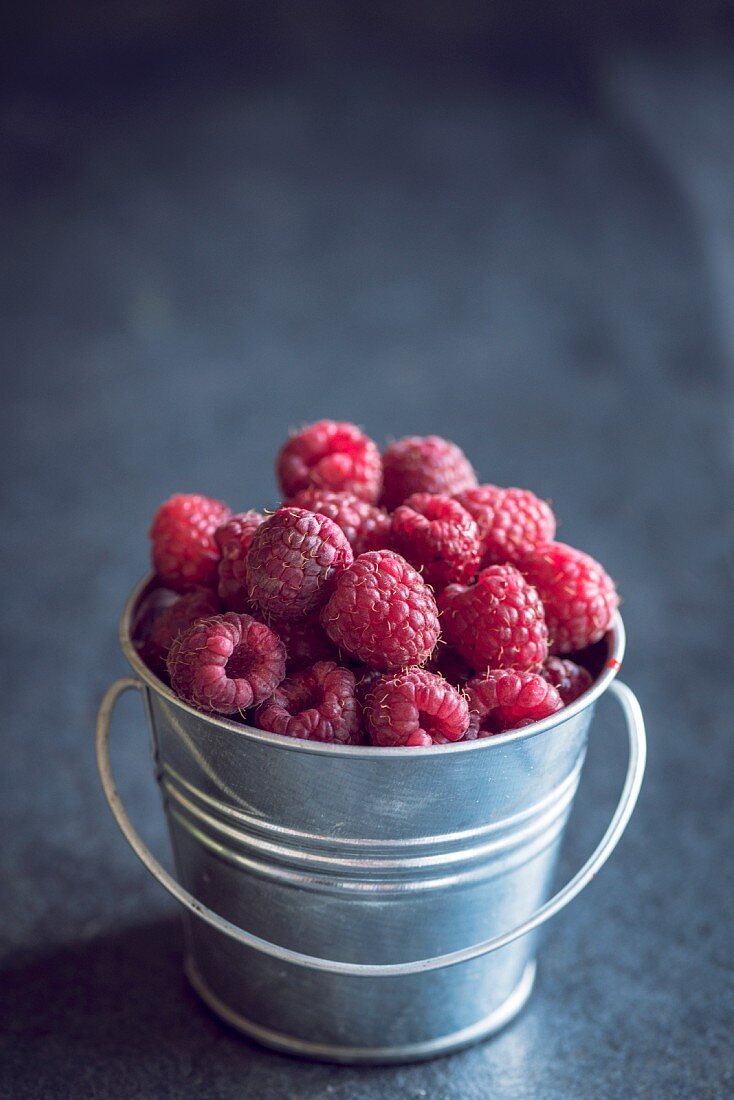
<point x="578" y="595"/>
<point x="226" y="664"/>
<point x="424" y="464"/>
<point x="294" y="557"/>
<point x="497" y="622"/>
<point x="233" y="539"/>
<point x="506" y="699"/>
<point x="333" y="455"/>
<point x="437" y="536"/>
<point x="184" y="551"/>
<point x="317" y="704"/>
<point x="366" y="526"/>
<point x="415" y="708"/>
<point x="382" y="612"/>
<point x="511" y="521"/>
<point x="569" y="679"/>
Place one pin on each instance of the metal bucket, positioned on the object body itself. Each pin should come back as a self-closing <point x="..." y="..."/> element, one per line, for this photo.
<point x="362" y="904"/>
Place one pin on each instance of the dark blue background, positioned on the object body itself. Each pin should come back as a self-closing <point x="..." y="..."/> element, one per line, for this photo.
<point x="518" y="234"/>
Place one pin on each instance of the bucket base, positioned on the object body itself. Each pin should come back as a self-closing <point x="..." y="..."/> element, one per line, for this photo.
<point x="412" y="1052"/>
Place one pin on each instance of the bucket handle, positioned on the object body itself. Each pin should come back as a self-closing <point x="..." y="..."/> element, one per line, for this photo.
<point x="631" y="789"/>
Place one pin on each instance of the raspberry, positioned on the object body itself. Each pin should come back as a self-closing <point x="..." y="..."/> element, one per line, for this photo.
<point x="439" y="537"/>
<point x="184" y="551"/>
<point x="451" y="665"/>
<point x="305" y="641"/>
<point x="421" y="740"/>
<point x="414" y="708"/>
<point x="152" y="604"/>
<point x="366" y="679"/>
<point x="331" y="455"/>
<point x="200" y="603"/>
<point x="233" y="539"/>
<point x="382" y="612"/>
<point x="366" y="526"/>
<point x="227" y="663"/>
<point x="427" y="464"/>
<point x="497" y="622"/>
<point x="507" y="699"/>
<point x="579" y="597"/>
<point x="511" y="521"/>
<point x="293" y="560"/>
<point x="570" y="680"/>
<point x="317" y="704"/>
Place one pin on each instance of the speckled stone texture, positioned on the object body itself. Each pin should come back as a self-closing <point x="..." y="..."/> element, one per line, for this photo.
<point x="210" y="238"/>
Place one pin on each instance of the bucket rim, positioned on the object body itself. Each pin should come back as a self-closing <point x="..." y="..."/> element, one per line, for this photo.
<point x="615" y="639"/>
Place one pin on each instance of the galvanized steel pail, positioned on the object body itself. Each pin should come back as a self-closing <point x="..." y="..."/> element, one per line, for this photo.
<point x="364" y="904"/>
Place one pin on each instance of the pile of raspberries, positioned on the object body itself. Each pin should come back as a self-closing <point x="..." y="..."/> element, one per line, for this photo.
<point x="390" y="600"/>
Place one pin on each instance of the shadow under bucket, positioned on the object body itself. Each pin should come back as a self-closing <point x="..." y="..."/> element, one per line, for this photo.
<point x="358" y="904"/>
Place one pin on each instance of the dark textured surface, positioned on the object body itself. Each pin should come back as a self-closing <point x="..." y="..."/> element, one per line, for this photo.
<point x="540" y="267"/>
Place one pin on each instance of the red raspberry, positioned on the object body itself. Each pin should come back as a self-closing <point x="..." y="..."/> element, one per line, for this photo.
<point x="233" y="539"/>
<point x="497" y="622"/>
<point x="507" y="699"/>
<point x="414" y="708"/>
<point x="382" y="612"/>
<point x="439" y="537"/>
<point x="305" y="642"/>
<point x="317" y="704"/>
<point x="421" y="740"/>
<point x="511" y="521"/>
<point x="292" y="562"/>
<point x="331" y="454"/>
<point x="366" y="679"/>
<point x="227" y="663"/>
<point x="152" y="604"/>
<point x="427" y="464"/>
<point x="200" y="603"/>
<point x="579" y="597"/>
<point x="570" y="680"/>
<point x="366" y="526"/>
<point x="446" y="662"/>
<point x="184" y="551"/>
